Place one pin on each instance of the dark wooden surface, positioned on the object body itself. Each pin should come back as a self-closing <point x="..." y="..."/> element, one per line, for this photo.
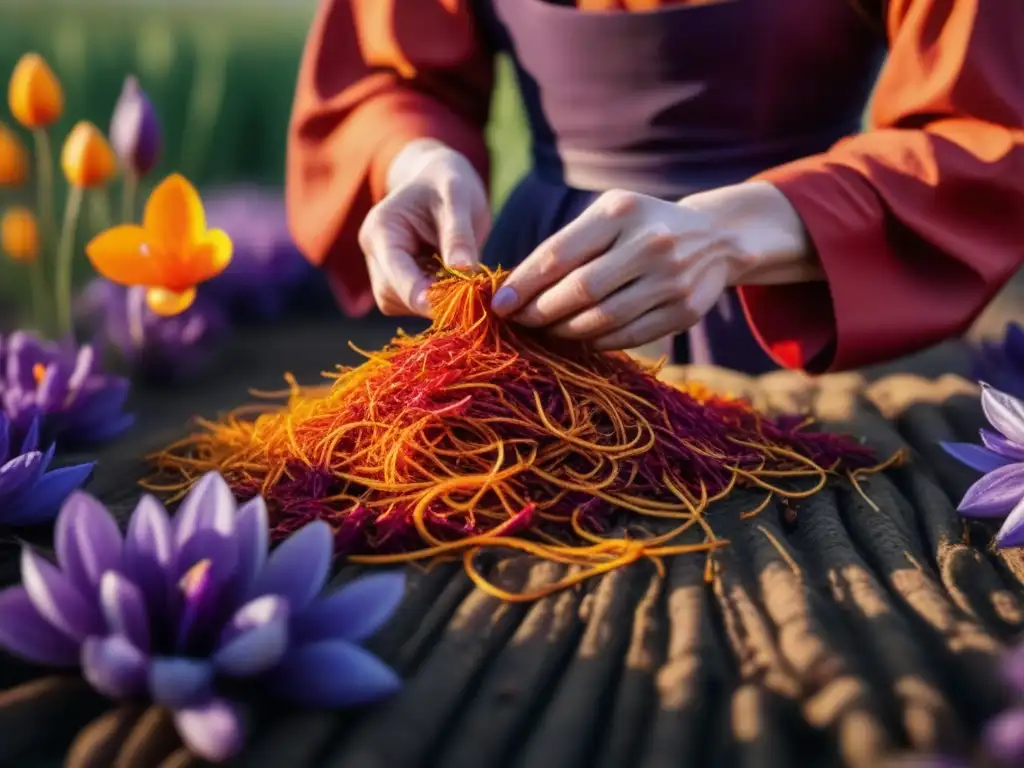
<point x="844" y="639"/>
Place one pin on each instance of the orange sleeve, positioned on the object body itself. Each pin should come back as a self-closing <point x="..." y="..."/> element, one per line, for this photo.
<point x="919" y="221"/>
<point x="376" y="74"/>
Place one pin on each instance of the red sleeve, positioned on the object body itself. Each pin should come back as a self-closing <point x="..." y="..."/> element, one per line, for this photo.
<point x="920" y="221"/>
<point x="376" y="74"/>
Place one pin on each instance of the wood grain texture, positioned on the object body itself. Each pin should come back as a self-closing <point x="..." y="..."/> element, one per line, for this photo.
<point x="833" y="634"/>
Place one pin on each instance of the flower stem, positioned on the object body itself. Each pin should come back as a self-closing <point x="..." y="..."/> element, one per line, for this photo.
<point x="128" y="191"/>
<point x="47" y="224"/>
<point x="136" y="306"/>
<point x="65" y="262"/>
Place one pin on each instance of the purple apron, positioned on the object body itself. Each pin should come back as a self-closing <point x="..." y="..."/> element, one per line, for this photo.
<point x="672" y="102"/>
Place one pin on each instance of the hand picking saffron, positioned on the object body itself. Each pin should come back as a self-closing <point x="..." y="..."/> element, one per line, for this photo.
<point x="480" y="434"/>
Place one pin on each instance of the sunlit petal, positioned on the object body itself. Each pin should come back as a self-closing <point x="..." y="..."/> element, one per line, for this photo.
<point x="122" y="255"/>
<point x="174" y="219"/>
<point x="211" y="256"/>
<point x="167" y="303"/>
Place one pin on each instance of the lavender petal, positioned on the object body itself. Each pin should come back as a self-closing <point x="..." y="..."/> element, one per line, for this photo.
<point x="20" y="474"/>
<point x="1004" y="412"/>
<point x="57" y="599"/>
<point x="212" y="730"/>
<point x="995" y="494"/>
<point x="999" y="444"/>
<point x="26" y="634"/>
<point x="252" y="534"/>
<point x="258" y="638"/>
<point x="975" y="456"/>
<point x="87" y="540"/>
<point x="124" y="608"/>
<point x="179" y="682"/>
<point x="149" y="551"/>
<point x="333" y="673"/>
<point x="1004" y="737"/>
<point x="353" y="613"/>
<point x="45" y="499"/>
<point x="297" y="569"/>
<point x="209" y="505"/>
<point x="114" y="667"/>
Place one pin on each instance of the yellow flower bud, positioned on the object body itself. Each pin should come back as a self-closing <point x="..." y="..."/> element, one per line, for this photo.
<point x="87" y="159"/>
<point x="34" y="95"/>
<point x="19" y="235"/>
<point x="13" y="159"/>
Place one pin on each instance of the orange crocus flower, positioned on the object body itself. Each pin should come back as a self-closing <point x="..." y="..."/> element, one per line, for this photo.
<point x="170" y="254"/>
<point x="13" y="159"/>
<point x="87" y="158"/>
<point x="19" y="235"/>
<point x="34" y="93"/>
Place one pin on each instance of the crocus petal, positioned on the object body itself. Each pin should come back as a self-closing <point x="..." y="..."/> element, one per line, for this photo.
<point x="333" y="673"/>
<point x="174" y="218"/>
<point x="87" y="540"/>
<point x="1004" y="412"/>
<point x="297" y="569"/>
<point x="259" y="632"/>
<point x="114" y="667"/>
<point x="20" y="474"/>
<point x="211" y="256"/>
<point x="999" y="444"/>
<point x="1013" y="669"/>
<point x="1004" y="737"/>
<point x="995" y="494"/>
<point x="209" y="504"/>
<point x="213" y="731"/>
<point x="352" y="613"/>
<point x="123" y="256"/>
<point x="1011" y="533"/>
<point x="124" y="609"/>
<point x="50" y="492"/>
<point x="148" y="549"/>
<point x="975" y="456"/>
<point x="30" y="442"/>
<point x="178" y="682"/>
<point x="252" y="533"/>
<point x="26" y="634"/>
<point x="56" y="598"/>
<point x="1014" y="341"/>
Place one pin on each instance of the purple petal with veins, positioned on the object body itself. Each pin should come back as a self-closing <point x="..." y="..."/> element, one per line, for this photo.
<point x="57" y="599"/>
<point x="1004" y="412"/>
<point x="256" y="638"/>
<point x="26" y="634"/>
<point x="213" y="730"/>
<point x="995" y="494"/>
<point x="124" y="609"/>
<point x="996" y="442"/>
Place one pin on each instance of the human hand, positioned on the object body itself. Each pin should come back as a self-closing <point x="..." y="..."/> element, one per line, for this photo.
<point x="436" y="202"/>
<point x="632" y="269"/>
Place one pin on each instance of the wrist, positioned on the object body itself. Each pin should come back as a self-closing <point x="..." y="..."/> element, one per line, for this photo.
<point x="771" y="244"/>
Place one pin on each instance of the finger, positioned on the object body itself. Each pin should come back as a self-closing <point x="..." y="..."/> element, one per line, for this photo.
<point x="589" y="235"/>
<point x="403" y="279"/>
<point x="618" y="310"/>
<point x="651" y="326"/>
<point x="456" y="232"/>
<point x="591" y="283"/>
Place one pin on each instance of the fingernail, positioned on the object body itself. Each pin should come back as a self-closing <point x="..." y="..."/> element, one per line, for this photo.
<point x="504" y="299"/>
<point x="420" y="303"/>
<point x="460" y="258"/>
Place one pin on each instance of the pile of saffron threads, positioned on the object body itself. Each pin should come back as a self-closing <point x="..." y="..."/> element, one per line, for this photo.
<point x="478" y="434"/>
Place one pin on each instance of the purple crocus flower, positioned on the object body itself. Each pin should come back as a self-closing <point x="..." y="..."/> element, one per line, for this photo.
<point x="1000" y="491"/>
<point x="29" y="493"/>
<point x="135" y="129"/>
<point x="62" y="386"/>
<point x="267" y="270"/>
<point x="1001" y="363"/>
<point x="185" y="612"/>
<point x="155" y="348"/>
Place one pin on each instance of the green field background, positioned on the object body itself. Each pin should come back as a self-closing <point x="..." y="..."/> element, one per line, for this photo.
<point x="220" y="73"/>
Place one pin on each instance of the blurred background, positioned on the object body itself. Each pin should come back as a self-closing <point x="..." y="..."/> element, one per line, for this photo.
<point x="220" y="74"/>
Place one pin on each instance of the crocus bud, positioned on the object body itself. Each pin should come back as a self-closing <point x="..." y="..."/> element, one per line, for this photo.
<point x="34" y="94"/>
<point x="19" y="235"/>
<point x="135" y="129"/>
<point x="87" y="159"/>
<point x="13" y="159"/>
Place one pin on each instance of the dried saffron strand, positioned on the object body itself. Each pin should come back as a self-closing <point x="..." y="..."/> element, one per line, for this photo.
<point x="476" y="435"/>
